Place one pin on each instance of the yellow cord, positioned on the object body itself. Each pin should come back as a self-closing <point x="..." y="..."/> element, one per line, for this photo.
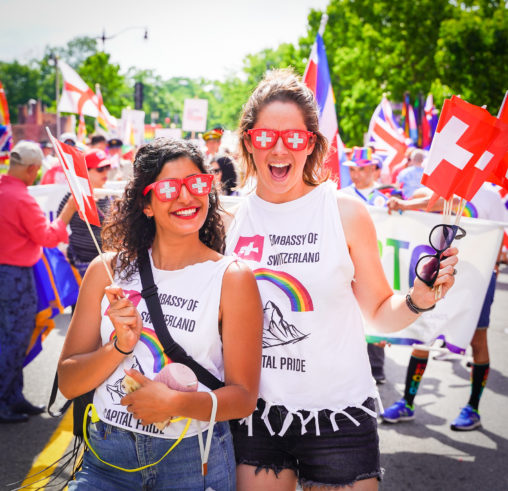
<point x="180" y="438"/>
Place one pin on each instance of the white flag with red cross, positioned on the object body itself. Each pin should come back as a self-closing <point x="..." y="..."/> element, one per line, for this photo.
<point x="76" y="97"/>
<point x="73" y="163"/>
<point x="467" y="146"/>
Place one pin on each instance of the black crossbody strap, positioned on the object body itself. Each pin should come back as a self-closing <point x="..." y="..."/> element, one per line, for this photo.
<point x="52" y="398"/>
<point x="171" y="348"/>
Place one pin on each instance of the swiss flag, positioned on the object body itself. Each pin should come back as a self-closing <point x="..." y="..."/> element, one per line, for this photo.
<point x="462" y="153"/>
<point x="250" y="247"/>
<point x="74" y="167"/>
<point x="500" y="173"/>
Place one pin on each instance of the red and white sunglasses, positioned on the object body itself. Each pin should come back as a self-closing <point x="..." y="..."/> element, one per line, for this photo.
<point x="169" y="189"/>
<point x="263" y="138"/>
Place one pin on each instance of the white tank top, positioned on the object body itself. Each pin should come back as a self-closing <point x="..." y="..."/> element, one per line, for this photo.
<point x="190" y="299"/>
<point x="314" y="349"/>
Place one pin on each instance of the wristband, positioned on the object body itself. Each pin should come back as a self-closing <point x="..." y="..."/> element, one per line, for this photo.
<point x="413" y="308"/>
<point x="120" y="351"/>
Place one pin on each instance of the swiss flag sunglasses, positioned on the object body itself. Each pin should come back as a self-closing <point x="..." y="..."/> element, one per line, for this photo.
<point x="169" y="189"/>
<point x="263" y="138"/>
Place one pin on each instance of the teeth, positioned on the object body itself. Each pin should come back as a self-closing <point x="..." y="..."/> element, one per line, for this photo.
<point x="280" y="165"/>
<point x="187" y="212"/>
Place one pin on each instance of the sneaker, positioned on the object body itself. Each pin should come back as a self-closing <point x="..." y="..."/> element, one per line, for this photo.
<point x="399" y="411"/>
<point x="467" y="420"/>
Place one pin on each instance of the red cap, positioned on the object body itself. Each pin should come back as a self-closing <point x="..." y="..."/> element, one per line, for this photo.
<point x="96" y="158"/>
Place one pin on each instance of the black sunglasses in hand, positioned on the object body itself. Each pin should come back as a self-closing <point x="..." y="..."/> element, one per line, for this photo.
<point x="440" y="238"/>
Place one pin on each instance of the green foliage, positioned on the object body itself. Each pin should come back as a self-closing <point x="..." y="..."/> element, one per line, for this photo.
<point x="472" y="54"/>
<point x="20" y="84"/>
<point x="97" y="69"/>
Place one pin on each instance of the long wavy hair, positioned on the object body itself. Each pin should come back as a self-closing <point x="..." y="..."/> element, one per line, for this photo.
<point x="285" y="86"/>
<point x="128" y="231"/>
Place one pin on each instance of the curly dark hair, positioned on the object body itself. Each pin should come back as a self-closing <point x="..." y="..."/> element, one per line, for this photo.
<point x="284" y="85"/>
<point x="128" y="231"/>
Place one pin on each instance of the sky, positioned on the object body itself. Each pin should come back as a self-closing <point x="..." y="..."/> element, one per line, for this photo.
<point x="188" y="38"/>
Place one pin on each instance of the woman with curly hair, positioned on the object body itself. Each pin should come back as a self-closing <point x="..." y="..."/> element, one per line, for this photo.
<point x="211" y="306"/>
<point x="315" y="255"/>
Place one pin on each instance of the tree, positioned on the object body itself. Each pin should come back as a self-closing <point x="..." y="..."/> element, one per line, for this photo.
<point x="472" y="54"/>
<point x="20" y="84"/>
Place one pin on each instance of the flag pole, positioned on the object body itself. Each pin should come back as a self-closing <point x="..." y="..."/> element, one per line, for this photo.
<point x="322" y="25"/>
<point x="57" y="91"/>
<point x="84" y="217"/>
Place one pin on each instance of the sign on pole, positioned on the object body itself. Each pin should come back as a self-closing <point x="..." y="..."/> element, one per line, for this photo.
<point x="194" y="114"/>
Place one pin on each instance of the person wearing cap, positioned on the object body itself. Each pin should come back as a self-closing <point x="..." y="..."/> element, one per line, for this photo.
<point x="121" y="169"/>
<point x="25" y="230"/>
<point x="363" y="169"/>
<point x="69" y="138"/>
<point x="81" y="249"/>
<point x="229" y="178"/>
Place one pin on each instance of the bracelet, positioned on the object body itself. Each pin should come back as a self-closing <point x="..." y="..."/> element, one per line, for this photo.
<point x="119" y="350"/>
<point x="413" y="308"/>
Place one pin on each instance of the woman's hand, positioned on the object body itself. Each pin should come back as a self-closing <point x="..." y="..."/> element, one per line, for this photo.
<point x="125" y="319"/>
<point x="424" y="296"/>
<point x="151" y="402"/>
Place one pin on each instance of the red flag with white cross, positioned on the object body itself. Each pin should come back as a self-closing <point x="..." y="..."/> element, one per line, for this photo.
<point x="73" y="163"/>
<point x="466" y="148"/>
<point x="499" y="175"/>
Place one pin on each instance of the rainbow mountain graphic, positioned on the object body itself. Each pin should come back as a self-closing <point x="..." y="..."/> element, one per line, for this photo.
<point x="278" y="331"/>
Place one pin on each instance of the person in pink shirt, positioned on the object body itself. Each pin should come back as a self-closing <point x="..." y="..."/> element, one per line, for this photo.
<point x="25" y="230"/>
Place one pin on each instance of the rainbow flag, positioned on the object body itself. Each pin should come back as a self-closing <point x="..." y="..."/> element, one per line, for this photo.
<point x="317" y="78"/>
<point x="57" y="287"/>
<point x="5" y="127"/>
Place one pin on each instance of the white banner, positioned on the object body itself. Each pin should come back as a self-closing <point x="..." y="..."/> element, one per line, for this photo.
<point x="402" y="240"/>
<point x="194" y="114"/>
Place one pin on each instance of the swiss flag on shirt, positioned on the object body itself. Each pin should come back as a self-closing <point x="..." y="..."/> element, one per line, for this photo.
<point x="74" y="167"/>
<point x="250" y="247"/>
<point x="466" y="148"/>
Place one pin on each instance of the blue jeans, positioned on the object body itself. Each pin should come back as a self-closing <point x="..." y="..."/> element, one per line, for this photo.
<point x="179" y="470"/>
<point x="18" y="307"/>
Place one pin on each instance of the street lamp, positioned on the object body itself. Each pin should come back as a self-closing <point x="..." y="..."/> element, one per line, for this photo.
<point x="104" y="38"/>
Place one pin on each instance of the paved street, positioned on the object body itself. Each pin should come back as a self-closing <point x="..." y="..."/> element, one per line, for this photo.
<point x="420" y="455"/>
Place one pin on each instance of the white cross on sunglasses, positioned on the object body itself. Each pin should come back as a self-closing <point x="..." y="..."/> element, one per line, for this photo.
<point x="168" y="190"/>
<point x="295" y="140"/>
<point x="264" y="139"/>
<point x="199" y="185"/>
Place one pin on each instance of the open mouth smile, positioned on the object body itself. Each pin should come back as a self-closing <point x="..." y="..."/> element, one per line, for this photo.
<point x="279" y="171"/>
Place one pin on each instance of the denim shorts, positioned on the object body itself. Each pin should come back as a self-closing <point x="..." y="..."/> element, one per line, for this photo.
<point x="332" y="458"/>
<point x="180" y="469"/>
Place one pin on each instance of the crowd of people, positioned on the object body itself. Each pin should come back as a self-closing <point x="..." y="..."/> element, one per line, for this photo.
<point x="222" y="281"/>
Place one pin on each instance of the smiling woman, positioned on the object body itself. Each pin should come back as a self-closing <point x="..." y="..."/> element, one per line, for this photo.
<point x="168" y="219"/>
<point x="314" y="254"/>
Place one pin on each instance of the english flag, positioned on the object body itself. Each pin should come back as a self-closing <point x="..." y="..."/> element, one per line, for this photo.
<point x="386" y="135"/>
<point x="76" y="97"/>
<point x="317" y="78"/>
<point x="73" y="163"/>
<point x="467" y="146"/>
